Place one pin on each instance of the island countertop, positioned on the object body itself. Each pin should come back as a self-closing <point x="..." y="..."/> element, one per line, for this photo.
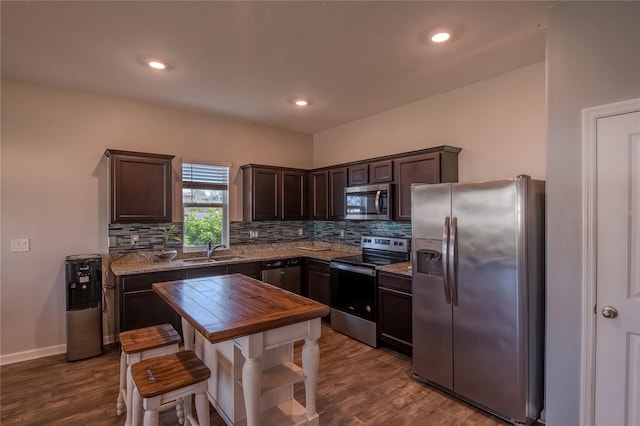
<point x="229" y="306"/>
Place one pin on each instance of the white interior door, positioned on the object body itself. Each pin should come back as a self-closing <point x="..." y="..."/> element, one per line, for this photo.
<point x="617" y="360"/>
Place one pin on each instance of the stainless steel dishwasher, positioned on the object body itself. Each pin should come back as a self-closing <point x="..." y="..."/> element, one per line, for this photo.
<point x="283" y="273"/>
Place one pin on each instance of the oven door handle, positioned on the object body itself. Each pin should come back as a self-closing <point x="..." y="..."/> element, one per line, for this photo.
<point x="357" y="269"/>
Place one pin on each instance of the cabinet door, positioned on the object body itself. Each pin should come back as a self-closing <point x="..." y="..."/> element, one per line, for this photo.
<point x="140" y="188"/>
<point x="266" y="194"/>
<point x="358" y="174"/>
<point x="145" y="308"/>
<point x="318" y="195"/>
<point x="416" y="169"/>
<point x="318" y="282"/>
<point x="337" y="184"/>
<point x="394" y="319"/>
<point x="381" y="171"/>
<point x="294" y="206"/>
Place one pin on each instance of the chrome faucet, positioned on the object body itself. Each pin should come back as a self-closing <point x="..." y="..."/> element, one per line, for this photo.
<point x="210" y="249"/>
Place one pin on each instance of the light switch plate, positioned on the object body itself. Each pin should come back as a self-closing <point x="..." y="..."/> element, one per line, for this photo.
<point x="19" y="244"/>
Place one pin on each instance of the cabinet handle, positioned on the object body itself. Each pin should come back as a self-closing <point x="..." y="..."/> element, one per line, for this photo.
<point x="391" y="290"/>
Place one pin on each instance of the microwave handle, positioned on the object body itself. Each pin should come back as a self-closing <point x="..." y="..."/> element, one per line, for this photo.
<point x="377" y="202"/>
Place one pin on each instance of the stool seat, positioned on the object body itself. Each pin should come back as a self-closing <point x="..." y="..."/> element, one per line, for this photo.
<point x="178" y="375"/>
<point x="144" y="339"/>
<point x="155" y="376"/>
<point x="141" y="344"/>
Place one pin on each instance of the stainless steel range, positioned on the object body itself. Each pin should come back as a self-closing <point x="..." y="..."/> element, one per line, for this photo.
<point x="353" y="286"/>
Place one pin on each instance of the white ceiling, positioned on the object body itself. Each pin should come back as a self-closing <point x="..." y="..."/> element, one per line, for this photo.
<point x="247" y="60"/>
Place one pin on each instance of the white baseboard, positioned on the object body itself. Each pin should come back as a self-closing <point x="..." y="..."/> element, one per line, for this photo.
<point x="32" y="354"/>
<point x="43" y="352"/>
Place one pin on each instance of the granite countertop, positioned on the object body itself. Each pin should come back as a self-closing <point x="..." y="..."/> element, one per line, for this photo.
<point x="403" y="268"/>
<point x="138" y="263"/>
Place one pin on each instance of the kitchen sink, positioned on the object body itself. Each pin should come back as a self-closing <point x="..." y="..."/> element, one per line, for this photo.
<point x="199" y="260"/>
<point x="227" y="257"/>
<point x="212" y="259"/>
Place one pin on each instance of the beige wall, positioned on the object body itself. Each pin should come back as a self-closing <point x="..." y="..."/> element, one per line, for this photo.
<point x="593" y="58"/>
<point x="53" y="176"/>
<point x="499" y="123"/>
<point x="54" y="188"/>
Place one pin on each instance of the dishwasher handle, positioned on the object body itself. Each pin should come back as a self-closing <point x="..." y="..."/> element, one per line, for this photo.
<point x="280" y="263"/>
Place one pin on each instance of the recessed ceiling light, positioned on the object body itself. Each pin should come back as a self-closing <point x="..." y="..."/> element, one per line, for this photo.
<point x="301" y="102"/>
<point x="440" y="37"/>
<point x="158" y="65"/>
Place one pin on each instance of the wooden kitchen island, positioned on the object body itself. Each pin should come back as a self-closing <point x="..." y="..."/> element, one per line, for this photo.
<point x="244" y="331"/>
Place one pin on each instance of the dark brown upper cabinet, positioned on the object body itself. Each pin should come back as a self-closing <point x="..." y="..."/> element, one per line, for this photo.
<point x="294" y="189"/>
<point x="337" y="184"/>
<point x="374" y="172"/>
<point x="381" y="171"/>
<point x="273" y="193"/>
<point x="319" y="195"/>
<point x="140" y="187"/>
<point x="358" y="174"/>
<point x="436" y="167"/>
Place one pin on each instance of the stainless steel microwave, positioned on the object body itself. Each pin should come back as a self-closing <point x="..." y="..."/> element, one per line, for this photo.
<point x="370" y="202"/>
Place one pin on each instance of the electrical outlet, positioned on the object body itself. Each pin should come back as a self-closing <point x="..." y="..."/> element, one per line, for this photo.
<point x="342" y="233"/>
<point x="253" y="234"/>
<point x="300" y="232"/>
<point x="113" y="241"/>
<point x="135" y="239"/>
<point x="20" y="244"/>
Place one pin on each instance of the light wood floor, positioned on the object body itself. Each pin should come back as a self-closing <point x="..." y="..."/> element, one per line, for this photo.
<point x="358" y="385"/>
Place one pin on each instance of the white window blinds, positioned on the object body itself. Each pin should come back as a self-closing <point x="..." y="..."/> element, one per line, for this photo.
<point x="205" y="176"/>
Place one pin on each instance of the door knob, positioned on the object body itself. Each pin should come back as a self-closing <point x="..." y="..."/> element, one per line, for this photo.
<point x="609" y="312"/>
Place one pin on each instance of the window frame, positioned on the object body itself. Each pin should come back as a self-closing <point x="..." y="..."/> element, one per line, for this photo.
<point x="224" y="205"/>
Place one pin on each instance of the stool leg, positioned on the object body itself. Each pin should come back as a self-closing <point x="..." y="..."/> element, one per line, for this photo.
<point x="186" y="407"/>
<point x="180" y="410"/>
<point x="202" y="409"/>
<point x="122" y="386"/>
<point x="129" y="396"/>
<point x="151" y="418"/>
<point x="135" y="410"/>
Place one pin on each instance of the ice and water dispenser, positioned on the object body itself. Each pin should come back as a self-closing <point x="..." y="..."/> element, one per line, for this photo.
<point x="428" y="257"/>
<point x="84" y="306"/>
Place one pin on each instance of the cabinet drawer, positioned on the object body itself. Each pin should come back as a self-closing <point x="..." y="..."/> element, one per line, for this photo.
<point x="252" y="269"/>
<point x="318" y="266"/>
<point x="144" y="281"/>
<point x="396" y="282"/>
<point x="205" y="272"/>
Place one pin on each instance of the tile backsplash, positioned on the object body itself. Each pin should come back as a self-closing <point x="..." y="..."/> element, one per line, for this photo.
<point x="344" y="232"/>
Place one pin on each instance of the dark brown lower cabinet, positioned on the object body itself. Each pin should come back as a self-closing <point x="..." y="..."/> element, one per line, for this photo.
<point x="318" y="281"/>
<point x="137" y="305"/>
<point x="253" y="269"/>
<point x="211" y="271"/>
<point x="394" y="312"/>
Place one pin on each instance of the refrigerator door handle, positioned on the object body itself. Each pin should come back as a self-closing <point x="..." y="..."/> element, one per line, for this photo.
<point x="445" y="260"/>
<point x="453" y="260"/>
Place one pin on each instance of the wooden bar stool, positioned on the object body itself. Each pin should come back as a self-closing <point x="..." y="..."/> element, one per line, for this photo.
<point x="170" y="377"/>
<point x="141" y="344"/>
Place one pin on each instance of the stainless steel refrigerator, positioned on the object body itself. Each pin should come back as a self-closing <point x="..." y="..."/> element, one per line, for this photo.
<point x="478" y="292"/>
